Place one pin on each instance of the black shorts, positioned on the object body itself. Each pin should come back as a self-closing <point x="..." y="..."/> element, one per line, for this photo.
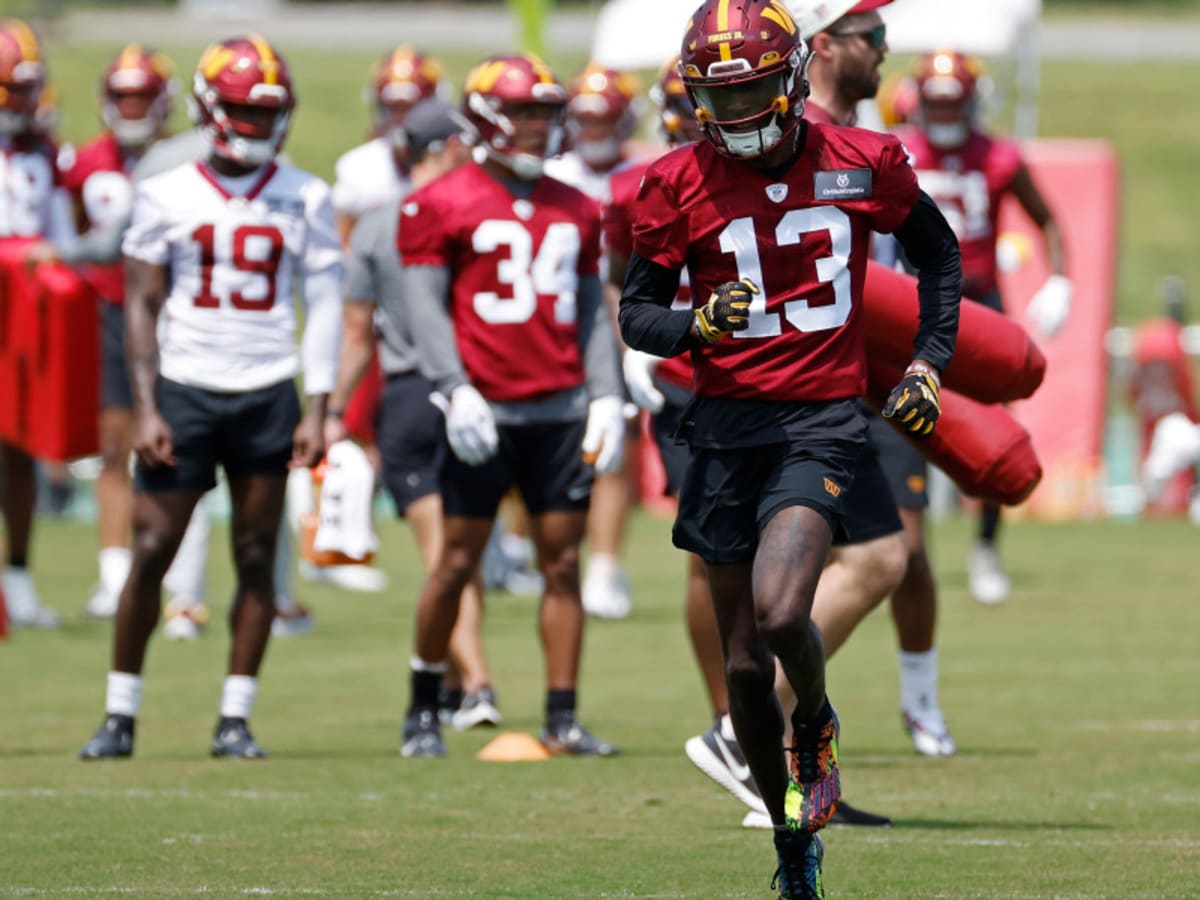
<point x="544" y="462"/>
<point x="729" y="495"/>
<point x="411" y="434"/>
<point x="247" y="433"/>
<point x="903" y="465"/>
<point x="115" y="392"/>
<point x="870" y="509"/>
<point x="664" y="424"/>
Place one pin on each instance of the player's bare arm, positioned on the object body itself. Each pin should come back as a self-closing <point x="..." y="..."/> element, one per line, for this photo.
<point x="145" y="291"/>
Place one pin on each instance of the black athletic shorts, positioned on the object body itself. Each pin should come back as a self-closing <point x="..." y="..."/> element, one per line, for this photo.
<point x="248" y="433"/>
<point x="664" y="425"/>
<point x="411" y="434"/>
<point x="115" y="392"/>
<point x="544" y="462"/>
<point x="729" y="495"/>
<point x="903" y="465"/>
<point x="870" y="509"/>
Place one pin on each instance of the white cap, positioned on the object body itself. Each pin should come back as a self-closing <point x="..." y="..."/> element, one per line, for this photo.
<point x="813" y="16"/>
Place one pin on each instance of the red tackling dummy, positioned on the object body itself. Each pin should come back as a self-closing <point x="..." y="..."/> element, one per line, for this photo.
<point x="995" y="361"/>
<point x="983" y="448"/>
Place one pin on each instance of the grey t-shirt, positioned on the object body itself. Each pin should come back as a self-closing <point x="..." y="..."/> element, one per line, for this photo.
<point x="372" y="275"/>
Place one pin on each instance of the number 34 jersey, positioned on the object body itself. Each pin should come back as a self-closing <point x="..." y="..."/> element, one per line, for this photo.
<point x="800" y="235"/>
<point x="234" y="248"/>
<point x="515" y="266"/>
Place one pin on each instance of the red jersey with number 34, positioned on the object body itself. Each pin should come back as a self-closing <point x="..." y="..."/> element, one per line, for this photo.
<point x="801" y="235"/>
<point x="515" y="266"/>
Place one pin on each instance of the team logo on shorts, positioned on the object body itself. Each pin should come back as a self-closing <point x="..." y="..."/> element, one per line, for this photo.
<point x="777" y="193"/>
<point x="916" y="483"/>
<point x="832" y="489"/>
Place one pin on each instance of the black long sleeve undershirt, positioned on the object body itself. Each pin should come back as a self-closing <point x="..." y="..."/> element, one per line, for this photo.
<point x="645" y="316"/>
<point x="930" y="245"/>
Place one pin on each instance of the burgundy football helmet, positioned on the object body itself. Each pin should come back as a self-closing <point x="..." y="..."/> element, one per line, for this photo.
<point x="135" y="95"/>
<point x="244" y="99"/>
<point x="946" y="87"/>
<point x="516" y="104"/>
<point x="743" y="64"/>
<point x="400" y="81"/>
<point x="22" y="77"/>
<point x="601" y="114"/>
<point x="676" y="117"/>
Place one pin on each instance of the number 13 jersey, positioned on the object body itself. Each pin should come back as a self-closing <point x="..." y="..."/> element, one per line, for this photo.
<point x="801" y="235"/>
<point x="234" y="247"/>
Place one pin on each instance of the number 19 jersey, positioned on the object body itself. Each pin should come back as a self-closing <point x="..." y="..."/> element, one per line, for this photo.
<point x="515" y="266"/>
<point x="800" y="235"/>
<point x="229" y="321"/>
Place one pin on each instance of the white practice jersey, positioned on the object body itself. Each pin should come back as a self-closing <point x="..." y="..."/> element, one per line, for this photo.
<point x="32" y="201"/>
<point x="229" y="321"/>
<point x="367" y="177"/>
<point x="571" y="169"/>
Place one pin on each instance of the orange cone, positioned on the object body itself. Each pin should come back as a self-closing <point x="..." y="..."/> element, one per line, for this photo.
<point x="513" y="746"/>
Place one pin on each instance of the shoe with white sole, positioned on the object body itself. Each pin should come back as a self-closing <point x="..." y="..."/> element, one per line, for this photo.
<point x="24" y="606"/>
<point x="986" y="576"/>
<point x="721" y="759"/>
<point x="477" y="708"/>
<point x="606" y="590"/>
<point x="184" y="620"/>
<point x="929" y="733"/>
<point x="292" y="622"/>
<point x="102" y="604"/>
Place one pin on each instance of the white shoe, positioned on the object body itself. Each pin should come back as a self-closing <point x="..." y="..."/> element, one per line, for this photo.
<point x="292" y="623"/>
<point x="184" y="620"/>
<point x="102" y="604"/>
<point x="606" y="591"/>
<point x="754" y="819"/>
<point x="985" y="574"/>
<point x="929" y="733"/>
<point x="477" y="708"/>
<point x="364" y="579"/>
<point x="24" y="606"/>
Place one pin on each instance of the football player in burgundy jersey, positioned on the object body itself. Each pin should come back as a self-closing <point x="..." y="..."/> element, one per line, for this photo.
<point x="410" y="430"/>
<point x="211" y="259"/>
<point x="968" y="173"/>
<point x="501" y="270"/>
<point x="771" y="216"/>
<point x="135" y="97"/>
<point x="848" y="43"/>
<point x="33" y="204"/>
<point x="601" y="116"/>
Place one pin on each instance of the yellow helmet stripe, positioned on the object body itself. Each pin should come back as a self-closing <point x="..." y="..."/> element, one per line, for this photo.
<point x="778" y="14"/>
<point x="25" y="39"/>
<point x="723" y="27"/>
<point x="129" y="57"/>
<point x="268" y="62"/>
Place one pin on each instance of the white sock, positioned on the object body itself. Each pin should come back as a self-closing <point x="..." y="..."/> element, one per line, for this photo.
<point x="419" y="665"/>
<point x="727" y="728"/>
<point x="603" y="565"/>
<point x="114" y="568"/>
<point x="919" y="681"/>
<point x="124" y="694"/>
<point x="237" y="696"/>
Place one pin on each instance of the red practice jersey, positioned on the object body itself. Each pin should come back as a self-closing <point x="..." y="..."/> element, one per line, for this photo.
<point x="515" y="266"/>
<point x="800" y="235"/>
<point x="968" y="184"/>
<point x="618" y="237"/>
<point x="99" y="181"/>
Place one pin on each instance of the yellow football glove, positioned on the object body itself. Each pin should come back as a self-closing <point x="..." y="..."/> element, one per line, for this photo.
<point x="914" y="402"/>
<point x="727" y="310"/>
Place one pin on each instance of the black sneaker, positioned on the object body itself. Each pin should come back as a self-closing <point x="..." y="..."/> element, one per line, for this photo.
<point x="565" y="735"/>
<point x="845" y="814"/>
<point x="477" y="708"/>
<point x="114" y="739"/>
<point x="799" y="874"/>
<point x="448" y="703"/>
<point x="422" y="735"/>
<point x="233" y="739"/>
<point x="721" y="760"/>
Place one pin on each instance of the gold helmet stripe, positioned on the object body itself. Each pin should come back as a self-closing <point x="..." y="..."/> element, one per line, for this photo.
<point x="723" y="27"/>
<point x="268" y="62"/>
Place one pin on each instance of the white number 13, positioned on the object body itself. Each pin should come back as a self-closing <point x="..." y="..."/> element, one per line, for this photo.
<point x="739" y="239"/>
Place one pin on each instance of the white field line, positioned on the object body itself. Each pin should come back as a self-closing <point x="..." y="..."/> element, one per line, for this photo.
<point x="1157" y="726"/>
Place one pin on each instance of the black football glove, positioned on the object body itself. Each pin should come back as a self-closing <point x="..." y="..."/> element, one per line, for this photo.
<point x="914" y="401"/>
<point x="727" y="310"/>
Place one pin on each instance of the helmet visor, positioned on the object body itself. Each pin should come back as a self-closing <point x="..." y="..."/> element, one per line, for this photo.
<point x="739" y="105"/>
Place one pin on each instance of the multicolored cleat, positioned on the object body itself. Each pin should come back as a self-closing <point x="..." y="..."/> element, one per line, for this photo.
<point x="813" y="784"/>
<point x="799" y="874"/>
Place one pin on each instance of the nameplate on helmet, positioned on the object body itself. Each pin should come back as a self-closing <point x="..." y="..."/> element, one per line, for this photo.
<point x="842" y="184"/>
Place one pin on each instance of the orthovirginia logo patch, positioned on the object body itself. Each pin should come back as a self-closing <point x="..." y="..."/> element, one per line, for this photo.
<point x="842" y="184"/>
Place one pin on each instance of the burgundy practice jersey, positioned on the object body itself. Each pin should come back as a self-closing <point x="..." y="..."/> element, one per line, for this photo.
<point x="618" y="237"/>
<point x="99" y="180"/>
<point x="968" y="184"/>
<point x="800" y="235"/>
<point x="515" y="266"/>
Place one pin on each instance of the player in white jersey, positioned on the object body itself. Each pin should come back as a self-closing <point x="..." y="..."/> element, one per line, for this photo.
<point x="375" y="174"/>
<point x="33" y="204"/>
<point x="601" y="117"/>
<point x="210" y="261"/>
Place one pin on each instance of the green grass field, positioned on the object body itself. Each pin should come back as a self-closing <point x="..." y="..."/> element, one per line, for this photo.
<point x="1074" y="705"/>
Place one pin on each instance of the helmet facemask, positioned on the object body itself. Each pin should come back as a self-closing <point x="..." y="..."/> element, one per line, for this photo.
<point x="504" y="146"/>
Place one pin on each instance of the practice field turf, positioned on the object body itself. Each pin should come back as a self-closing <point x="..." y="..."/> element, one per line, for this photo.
<point x="1075" y="707"/>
